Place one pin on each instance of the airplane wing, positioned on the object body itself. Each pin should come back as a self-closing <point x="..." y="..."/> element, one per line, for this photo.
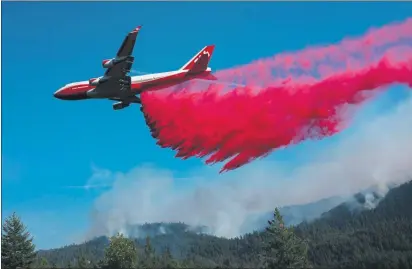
<point x="125" y="51"/>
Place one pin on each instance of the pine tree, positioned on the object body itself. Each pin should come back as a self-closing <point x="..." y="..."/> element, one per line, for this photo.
<point x="17" y="248"/>
<point x="148" y="249"/>
<point x="167" y="260"/>
<point x="283" y="249"/>
<point x="121" y="253"/>
<point x="149" y="259"/>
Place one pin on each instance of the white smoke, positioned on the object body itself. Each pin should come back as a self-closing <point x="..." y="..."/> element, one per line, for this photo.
<point x="379" y="154"/>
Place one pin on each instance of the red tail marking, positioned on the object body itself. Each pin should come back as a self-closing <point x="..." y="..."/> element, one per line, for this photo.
<point x="200" y="61"/>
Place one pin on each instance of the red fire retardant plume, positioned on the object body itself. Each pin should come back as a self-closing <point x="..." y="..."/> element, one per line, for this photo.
<point x="286" y="99"/>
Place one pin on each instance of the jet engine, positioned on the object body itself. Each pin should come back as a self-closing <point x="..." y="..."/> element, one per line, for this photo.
<point x="97" y="81"/>
<point x="120" y="105"/>
<point x="112" y="62"/>
<point x="108" y="63"/>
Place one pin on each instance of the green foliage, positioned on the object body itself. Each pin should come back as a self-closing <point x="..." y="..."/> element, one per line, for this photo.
<point x="44" y="263"/>
<point x="377" y="238"/>
<point x="121" y="253"/>
<point x="17" y="248"/>
<point x="167" y="261"/>
<point x="282" y="248"/>
<point x="82" y="263"/>
<point x="149" y="259"/>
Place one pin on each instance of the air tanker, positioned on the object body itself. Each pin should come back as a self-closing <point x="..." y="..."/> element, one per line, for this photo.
<point x="117" y="85"/>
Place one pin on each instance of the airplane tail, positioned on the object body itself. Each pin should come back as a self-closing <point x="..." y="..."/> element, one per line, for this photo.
<point x="199" y="63"/>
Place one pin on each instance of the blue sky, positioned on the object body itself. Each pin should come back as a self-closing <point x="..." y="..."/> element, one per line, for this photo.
<point x="49" y="143"/>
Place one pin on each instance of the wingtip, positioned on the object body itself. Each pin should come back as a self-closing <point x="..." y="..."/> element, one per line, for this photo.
<point x="137" y="29"/>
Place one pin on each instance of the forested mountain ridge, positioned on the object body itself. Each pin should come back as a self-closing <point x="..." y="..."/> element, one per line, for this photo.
<point x="342" y="237"/>
<point x="378" y="238"/>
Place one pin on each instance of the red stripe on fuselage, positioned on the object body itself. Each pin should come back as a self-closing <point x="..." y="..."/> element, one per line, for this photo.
<point x="79" y="91"/>
<point x="164" y="82"/>
<point x="75" y="92"/>
<point x="81" y="88"/>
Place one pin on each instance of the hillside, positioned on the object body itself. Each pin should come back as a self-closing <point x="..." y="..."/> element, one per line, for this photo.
<point x="376" y="238"/>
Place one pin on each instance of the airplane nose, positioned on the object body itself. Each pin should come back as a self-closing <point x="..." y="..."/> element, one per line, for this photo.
<point x="56" y="94"/>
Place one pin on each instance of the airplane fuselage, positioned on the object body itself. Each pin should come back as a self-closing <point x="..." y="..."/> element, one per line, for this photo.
<point x="83" y="90"/>
<point x="117" y="85"/>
